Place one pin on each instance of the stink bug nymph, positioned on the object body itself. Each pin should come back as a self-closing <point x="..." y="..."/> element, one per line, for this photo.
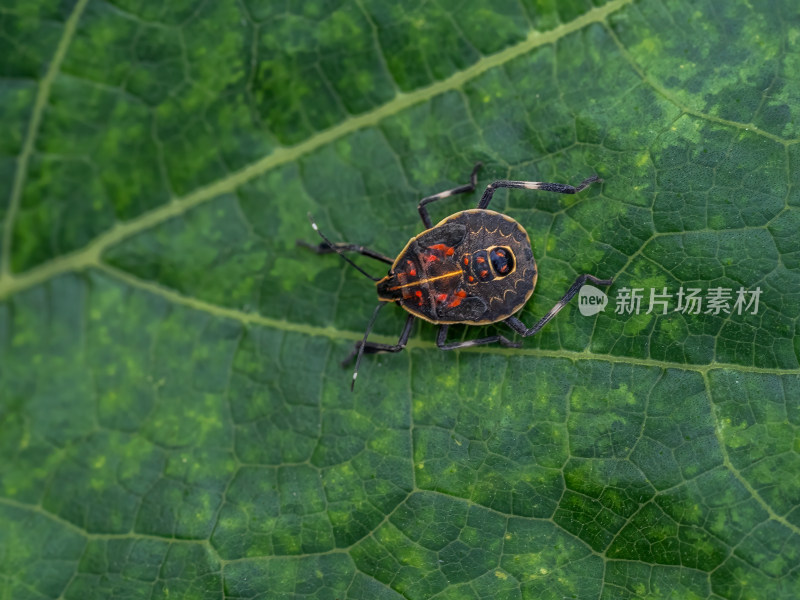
<point x="475" y="267"/>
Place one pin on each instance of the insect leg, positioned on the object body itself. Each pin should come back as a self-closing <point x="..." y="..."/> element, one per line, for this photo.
<point x="442" y="337"/>
<point x="519" y="326"/>
<point x="374" y="347"/>
<point x="560" y="188"/>
<point x="473" y="181"/>
<point x="362" y="345"/>
<point x="326" y="248"/>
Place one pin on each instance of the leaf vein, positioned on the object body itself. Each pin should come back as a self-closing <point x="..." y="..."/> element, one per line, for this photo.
<point x="334" y="333"/>
<point x="42" y="96"/>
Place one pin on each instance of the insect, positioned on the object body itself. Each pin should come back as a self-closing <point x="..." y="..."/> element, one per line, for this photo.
<point x="475" y="267"/>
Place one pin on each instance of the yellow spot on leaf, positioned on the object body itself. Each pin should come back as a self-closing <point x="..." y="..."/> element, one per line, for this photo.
<point x="648" y="44"/>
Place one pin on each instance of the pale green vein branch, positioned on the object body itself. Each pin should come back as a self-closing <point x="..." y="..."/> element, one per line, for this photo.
<point x="251" y="318"/>
<point x="42" y="95"/>
<point x="686" y="109"/>
<point x="90" y="254"/>
<point x="735" y="472"/>
<point x="129" y="535"/>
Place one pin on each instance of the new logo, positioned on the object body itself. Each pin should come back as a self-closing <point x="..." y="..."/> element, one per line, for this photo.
<point x="591" y="300"/>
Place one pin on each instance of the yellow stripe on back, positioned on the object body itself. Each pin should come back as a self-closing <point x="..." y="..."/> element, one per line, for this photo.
<point x="421" y="281"/>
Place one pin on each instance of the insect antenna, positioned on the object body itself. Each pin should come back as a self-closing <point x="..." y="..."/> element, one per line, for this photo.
<point x="338" y="250"/>
<point x="364" y="343"/>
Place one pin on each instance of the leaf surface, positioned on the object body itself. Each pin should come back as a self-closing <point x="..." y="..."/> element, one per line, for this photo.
<point x="174" y="420"/>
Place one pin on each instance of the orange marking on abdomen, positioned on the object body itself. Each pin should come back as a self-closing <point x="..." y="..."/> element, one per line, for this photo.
<point x="448" y="251"/>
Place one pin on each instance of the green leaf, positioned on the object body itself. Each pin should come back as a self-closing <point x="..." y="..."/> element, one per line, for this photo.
<point x="174" y="420"/>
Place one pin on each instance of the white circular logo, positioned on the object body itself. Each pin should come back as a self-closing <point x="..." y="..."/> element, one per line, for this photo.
<point x="591" y="300"/>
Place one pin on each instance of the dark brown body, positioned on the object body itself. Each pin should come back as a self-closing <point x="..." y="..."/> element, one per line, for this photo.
<point x="475" y="267"/>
